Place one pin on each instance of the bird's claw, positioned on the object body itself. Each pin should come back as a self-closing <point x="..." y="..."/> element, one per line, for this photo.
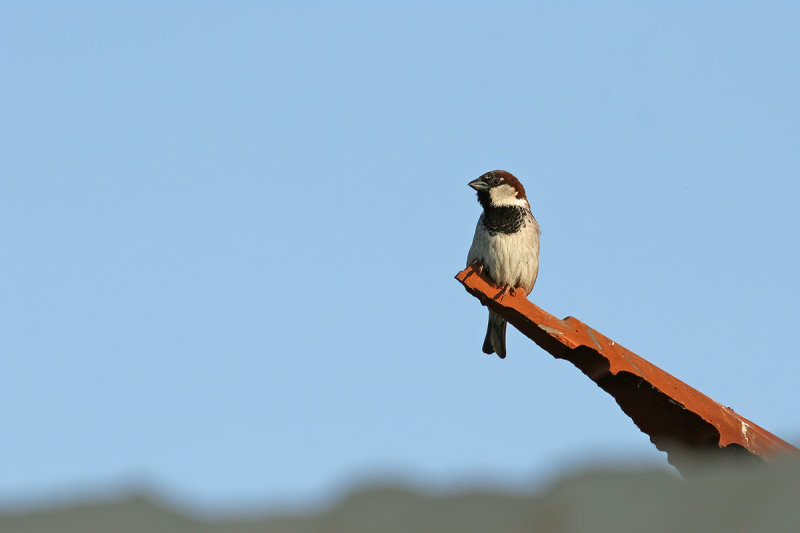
<point x="505" y="289"/>
<point x="477" y="268"/>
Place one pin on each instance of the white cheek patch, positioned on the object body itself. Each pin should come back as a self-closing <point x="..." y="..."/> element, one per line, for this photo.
<point x="505" y="195"/>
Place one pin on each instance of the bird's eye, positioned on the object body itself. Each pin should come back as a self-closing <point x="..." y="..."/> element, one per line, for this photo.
<point x="495" y="181"/>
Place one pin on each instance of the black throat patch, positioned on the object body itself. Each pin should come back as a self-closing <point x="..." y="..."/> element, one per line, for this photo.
<point x="506" y="219"/>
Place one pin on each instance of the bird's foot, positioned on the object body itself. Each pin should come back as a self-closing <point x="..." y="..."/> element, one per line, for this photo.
<point x="477" y="268"/>
<point x="505" y="289"/>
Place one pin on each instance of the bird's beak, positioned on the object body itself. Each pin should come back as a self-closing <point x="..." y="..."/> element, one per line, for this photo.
<point x="478" y="185"/>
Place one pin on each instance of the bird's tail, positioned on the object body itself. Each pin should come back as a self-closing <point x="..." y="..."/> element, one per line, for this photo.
<point x="495" y="341"/>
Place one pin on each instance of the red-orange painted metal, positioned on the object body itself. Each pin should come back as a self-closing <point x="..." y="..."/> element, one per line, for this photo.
<point x="674" y="415"/>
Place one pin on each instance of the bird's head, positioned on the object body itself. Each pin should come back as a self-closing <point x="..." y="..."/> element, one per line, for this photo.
<point x="498" y="188"/>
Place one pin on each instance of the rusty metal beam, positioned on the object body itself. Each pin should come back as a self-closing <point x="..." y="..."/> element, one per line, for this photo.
<point x="677" y="418"/>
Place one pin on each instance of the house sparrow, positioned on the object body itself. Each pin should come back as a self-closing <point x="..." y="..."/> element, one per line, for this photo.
<point x="505" y="246"/>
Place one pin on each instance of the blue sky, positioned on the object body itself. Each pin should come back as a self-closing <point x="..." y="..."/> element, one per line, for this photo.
<point x="228" y="235"/>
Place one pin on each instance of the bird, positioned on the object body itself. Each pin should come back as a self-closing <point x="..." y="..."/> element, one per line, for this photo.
<point x="505" y="247"/>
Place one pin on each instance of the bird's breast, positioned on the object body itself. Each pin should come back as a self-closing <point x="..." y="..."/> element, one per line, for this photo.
<point x="509" y="257"/>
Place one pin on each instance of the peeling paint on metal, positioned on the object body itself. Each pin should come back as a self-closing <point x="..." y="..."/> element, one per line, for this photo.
<point x="631" y="362"/>
<point x="594" y="340"/>
<point x="553" y="331"/>
<point x="745" y="427"/>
